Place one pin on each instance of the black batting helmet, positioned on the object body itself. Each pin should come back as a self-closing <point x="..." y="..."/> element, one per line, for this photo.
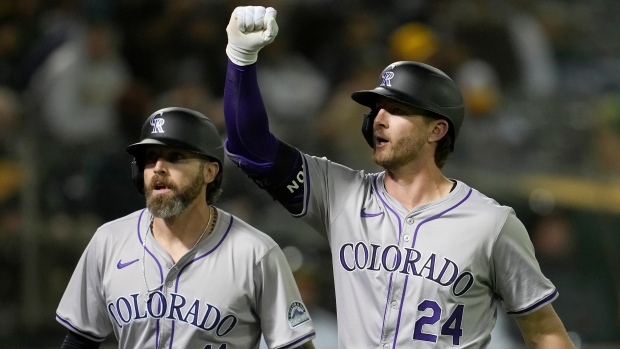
<point x="180" y="128"/>
<point x="419" y="85"/>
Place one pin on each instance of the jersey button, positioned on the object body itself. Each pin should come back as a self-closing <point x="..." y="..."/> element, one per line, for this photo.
<point x="409" y="220"/>
<point x="394" y="304"/>
<point x="406" y="238"/>
<point x="169" y="284"/>
<point x="168" y="265"/>
<point x="386" y="346"/>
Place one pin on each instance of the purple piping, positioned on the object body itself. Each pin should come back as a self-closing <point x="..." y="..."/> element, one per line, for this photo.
<point x="307" y="174"/>
<point x="415" y="235"/>
<point x="294" y="344"/>
<point x="547" y="299"/>
<point x="400" y="232"/>
<point x="306" y="194"/>
<point x="176" y="286"/>
<point x="75" y="329"/>
<point x="161" y="276"/>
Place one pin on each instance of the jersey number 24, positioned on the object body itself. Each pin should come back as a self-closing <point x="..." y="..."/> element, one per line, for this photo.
<point x="452" y="326"/>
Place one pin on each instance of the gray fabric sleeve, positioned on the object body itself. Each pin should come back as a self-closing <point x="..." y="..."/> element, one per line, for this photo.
<point x="284" y="317"/>
<point x="519" y="282"/>
<point x="82" y="307"/>
<point x="328" y="188"/>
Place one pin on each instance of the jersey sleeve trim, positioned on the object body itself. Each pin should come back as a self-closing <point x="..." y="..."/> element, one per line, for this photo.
<point x="299" y="341"/>
<point x="307" y="185"/>
<point x="548" y="299"/>
<point x="70" y="326"/>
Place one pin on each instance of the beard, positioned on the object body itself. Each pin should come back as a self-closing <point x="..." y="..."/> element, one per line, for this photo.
<point x="403" y="151"/>
<point x="179" y="198"/>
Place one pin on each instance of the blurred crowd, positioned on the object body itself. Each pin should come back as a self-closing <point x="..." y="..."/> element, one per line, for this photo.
<point x="540" y="78"/>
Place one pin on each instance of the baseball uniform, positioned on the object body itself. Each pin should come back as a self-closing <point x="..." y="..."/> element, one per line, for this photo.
<point x="233" y="286"/>
<point x="430" y="277"/>
<point x="426" y="278"/>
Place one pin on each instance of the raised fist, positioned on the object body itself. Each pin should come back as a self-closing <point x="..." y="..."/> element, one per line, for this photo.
<point x="250" y="29"/>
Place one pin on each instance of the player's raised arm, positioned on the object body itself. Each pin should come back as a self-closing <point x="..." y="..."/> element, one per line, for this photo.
<point x="250" y="29"/>
<point x="250" y="145"/>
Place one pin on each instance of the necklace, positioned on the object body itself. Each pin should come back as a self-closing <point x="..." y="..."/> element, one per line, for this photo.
<point x="149" y="290"/>
<point x="205" y="229"/>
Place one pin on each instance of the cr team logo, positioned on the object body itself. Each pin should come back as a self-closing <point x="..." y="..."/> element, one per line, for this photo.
<point x="386" y="78"/>
<point x="157" y="124"/>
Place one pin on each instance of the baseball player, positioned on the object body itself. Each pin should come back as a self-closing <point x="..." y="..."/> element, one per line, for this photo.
<point x="182" y="273"/>
<point x="420" y="260"/>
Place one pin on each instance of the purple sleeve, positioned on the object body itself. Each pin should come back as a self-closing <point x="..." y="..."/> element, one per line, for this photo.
<point x="247" y="125"/>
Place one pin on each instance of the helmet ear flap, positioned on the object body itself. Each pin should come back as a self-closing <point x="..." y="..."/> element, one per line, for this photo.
<point x="367" y="127"/>
<point x="137" y="176"/>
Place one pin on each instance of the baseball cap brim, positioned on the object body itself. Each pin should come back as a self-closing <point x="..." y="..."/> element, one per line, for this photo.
<point x="369" y="97"/>
<point x="137" y="148"/>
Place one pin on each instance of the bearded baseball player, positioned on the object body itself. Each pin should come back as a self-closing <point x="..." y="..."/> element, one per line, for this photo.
<point x="420" y="260"/>
<point x="182" y="273"/>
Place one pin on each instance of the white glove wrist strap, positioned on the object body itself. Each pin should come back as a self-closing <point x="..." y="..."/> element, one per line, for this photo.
<point x="241" y="56"/>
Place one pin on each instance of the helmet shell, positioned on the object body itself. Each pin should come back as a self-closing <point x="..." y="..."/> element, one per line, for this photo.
<point x="180" y="128"/>
<point x="422" y="86"/>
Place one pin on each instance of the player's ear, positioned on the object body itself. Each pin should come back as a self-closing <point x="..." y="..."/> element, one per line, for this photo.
<point x="438" y="129"/>
<point x="211" y="169"/>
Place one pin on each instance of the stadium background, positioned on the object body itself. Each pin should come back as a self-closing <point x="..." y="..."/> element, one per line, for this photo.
<point x="541" y="79"/>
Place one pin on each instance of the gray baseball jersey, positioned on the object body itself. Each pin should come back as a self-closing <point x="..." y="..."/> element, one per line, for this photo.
<point x="222" y="294"/>
<point x="427" y="278"/>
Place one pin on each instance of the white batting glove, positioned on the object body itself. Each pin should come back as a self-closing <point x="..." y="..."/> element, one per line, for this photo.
<point x="250" y="29"/>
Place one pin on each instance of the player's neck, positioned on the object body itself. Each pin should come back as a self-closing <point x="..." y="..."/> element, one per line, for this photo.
<point x="414" y="187"/>
<point x="179" y="234"/>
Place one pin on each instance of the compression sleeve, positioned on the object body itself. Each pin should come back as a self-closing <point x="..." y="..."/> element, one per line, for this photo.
<point x="247" y="125"/>
<point x="75" y="341"/>
<point x="269" y="162"/>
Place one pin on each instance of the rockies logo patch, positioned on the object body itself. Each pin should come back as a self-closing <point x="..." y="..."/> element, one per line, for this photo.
<point x="297" y="314"/>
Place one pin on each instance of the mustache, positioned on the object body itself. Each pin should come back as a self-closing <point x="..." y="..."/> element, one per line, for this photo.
<point x="158" y="181"/>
